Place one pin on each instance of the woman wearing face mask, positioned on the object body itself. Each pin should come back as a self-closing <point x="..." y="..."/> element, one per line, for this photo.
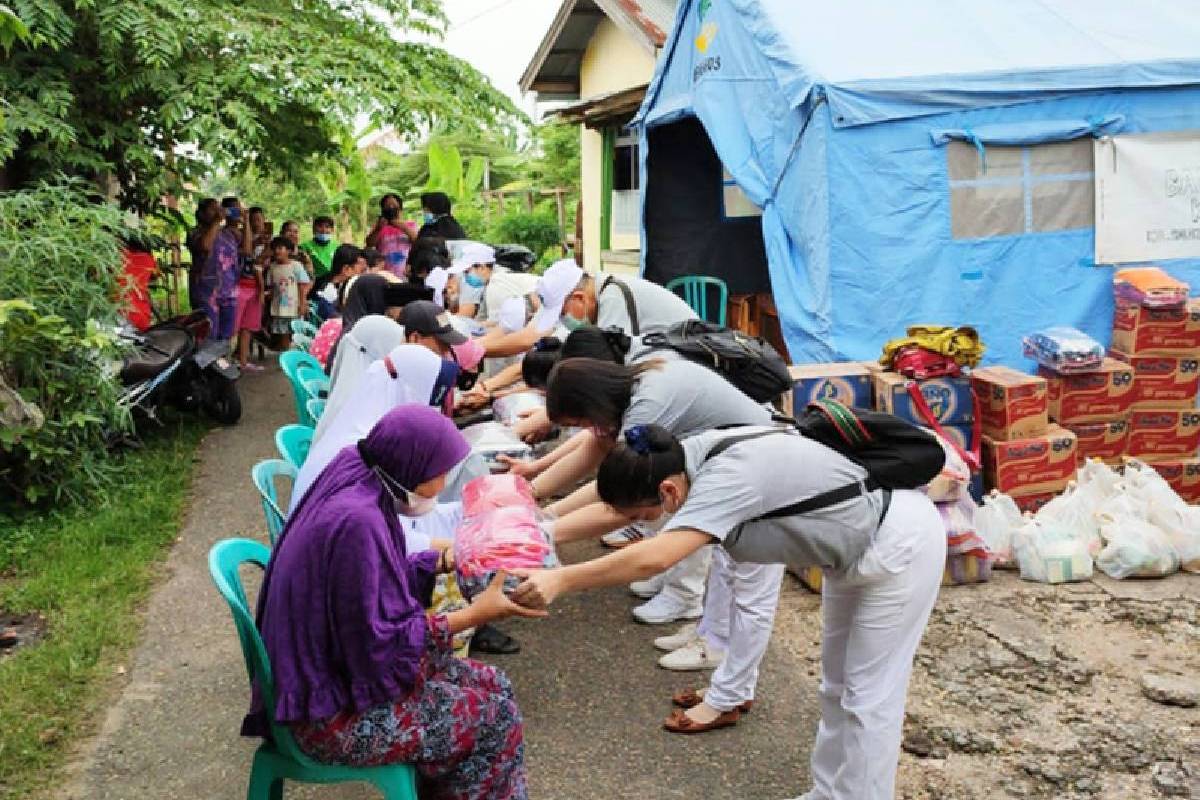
<point x="882" y="554"/>
<point x="438" y="219"/>
<point x="363" y="676"/>
<point x="393" y="236"/>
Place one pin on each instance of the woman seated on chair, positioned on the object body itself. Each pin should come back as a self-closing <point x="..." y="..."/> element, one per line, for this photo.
<point x="363" y="676"/>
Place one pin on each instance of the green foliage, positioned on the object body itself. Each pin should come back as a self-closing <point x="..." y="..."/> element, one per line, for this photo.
<point x="86" y="569"/>
<point x="59" y="268"/>
<point x="558" y="161"/>
<point x="538" y="232"/>
<point x="11" y="28"/>
<point x="152" y="93"/>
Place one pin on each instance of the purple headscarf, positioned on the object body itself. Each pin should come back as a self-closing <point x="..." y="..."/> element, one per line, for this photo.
<point x="342" y="606"/>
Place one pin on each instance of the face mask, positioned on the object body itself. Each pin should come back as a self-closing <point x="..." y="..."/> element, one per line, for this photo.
<point x="474" y="281"/>
<point x="391" y="213"/>
<point x="429" y="218"/>
<point x="571" y="323"/>
<point x="404" y="502"/>
<point x="322" y="238"/>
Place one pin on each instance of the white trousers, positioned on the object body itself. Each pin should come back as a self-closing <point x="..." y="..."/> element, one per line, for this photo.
<point x="739" y="612"/>
<point x="873" y="617"/>
<point x="685" y="580"/>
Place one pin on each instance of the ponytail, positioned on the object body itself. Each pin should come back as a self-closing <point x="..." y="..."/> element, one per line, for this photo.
<point x="606" y="344"/>
<point x="631" y="473"/>
<point x="536" y="366"/>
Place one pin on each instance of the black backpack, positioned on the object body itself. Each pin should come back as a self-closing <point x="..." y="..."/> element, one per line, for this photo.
<point x="896" y="454"/>
<point x="748" y="362"/>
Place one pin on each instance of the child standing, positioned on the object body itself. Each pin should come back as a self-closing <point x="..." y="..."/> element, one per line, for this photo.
<point x="289" y="291"/>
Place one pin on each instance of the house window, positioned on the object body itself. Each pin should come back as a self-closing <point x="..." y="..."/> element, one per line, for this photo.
<point x="626" y="202"/>
<point x="1011" y="191"/>
<point x="734" y="202"/>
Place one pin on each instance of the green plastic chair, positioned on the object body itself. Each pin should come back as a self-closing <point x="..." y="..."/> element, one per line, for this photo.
<point x="282" y="760"/>
<point x="291" y="362"/>
<point x="314" y="317"/>
<point x="315" y="409"/>
<point x="301" y="342"/>
<point x="302" y="327"/>
<point x="695" y="294"/>
<point x="293" y="443"/>
<point x="264" y="474"/>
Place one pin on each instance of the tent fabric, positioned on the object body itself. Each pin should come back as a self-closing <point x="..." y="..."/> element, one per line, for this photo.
<point x="857" y="217"/>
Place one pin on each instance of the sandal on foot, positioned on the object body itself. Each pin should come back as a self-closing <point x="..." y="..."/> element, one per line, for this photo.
<point x="680" y="722"/>
<point x="493" y="641"/>
<point x="690" y="698"/>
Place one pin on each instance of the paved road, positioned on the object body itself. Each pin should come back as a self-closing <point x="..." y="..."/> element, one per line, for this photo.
<point x="586" y="680"/>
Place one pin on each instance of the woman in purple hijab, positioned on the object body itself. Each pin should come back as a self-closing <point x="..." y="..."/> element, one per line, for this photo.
<point x="362" y="675"/>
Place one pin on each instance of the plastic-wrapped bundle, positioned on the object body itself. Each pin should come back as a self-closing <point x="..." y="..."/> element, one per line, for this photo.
<point x="1149" y="287"/>
<point x="508" y="409"/>
<point x="503" y="530"/>
<point x="493" y="439"/>
<point x="1064" y="350"/>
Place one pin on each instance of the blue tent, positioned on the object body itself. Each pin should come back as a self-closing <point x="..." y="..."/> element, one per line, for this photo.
<point x="897" y="150"/>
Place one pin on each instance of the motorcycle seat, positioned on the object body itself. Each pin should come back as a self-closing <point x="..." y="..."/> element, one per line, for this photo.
<point x="163" y="346"/>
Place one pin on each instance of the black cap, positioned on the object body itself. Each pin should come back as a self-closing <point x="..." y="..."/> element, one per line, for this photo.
<point x="429" y="319"/>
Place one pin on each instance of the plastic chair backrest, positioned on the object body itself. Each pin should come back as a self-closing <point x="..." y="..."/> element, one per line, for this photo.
<point x="314" y="314"/>
<point x="293" y="443"/>
<point x="301" y="342"/>
<point x="302" y="327"/>
<point x="695" y="294"/>
<point x="223" y="562"/>
<point x="291" y="362"/>
<point x="315" y="409"/>
<point x="264" y="474"/>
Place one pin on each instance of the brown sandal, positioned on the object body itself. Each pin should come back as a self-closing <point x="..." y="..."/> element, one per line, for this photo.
<point x="679" y="722"/>
<point x="690" y="698"/>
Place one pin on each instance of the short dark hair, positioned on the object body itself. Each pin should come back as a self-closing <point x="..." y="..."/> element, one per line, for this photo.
<point x="536" y="366"/>
<point x="426" y="253"/>
<point x="372" y="256"/>
<point x="256" y="210"/>
<point x="289" y="222"/>
<point x="593" y="390"/>
<point x="392" y="195"/>
<point x="344" y="256"/>
<point x="280" y="241"/>
<point x="323" y="220"/>
<point x="229" y="202"/>
<point x="630" y="476"/>
<point x="606" y="344"/>
<point x="436" y="202"/>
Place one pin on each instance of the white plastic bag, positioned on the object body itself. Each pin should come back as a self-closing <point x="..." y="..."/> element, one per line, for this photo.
<point x="1049" y="554"/>
<point x="1074" y="511"/>
<point x="1135" y="548"/>
<point x="995" y="523"/>
<point x="954" y="481"/>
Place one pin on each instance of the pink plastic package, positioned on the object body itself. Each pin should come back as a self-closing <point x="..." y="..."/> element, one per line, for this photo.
<point x="496" y="491"/>
<point x="501" y="530"/>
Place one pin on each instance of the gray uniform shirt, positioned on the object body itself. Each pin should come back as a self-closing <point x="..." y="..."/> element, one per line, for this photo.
<point x="687" y="398"/>
<point x="756" y="477"/>
<point x="656" y="307"/>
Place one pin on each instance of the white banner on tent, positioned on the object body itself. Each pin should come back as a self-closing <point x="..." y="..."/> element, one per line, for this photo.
<point x="1147" y="197"/>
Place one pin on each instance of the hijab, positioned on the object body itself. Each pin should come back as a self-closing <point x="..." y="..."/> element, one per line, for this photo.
<point x="410" y="376"/>
<point x="342" y="605"/>
<point x="371" y="339"/>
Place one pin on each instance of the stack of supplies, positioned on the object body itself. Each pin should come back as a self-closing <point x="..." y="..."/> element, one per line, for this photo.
<point x="848" y="383"/>
<point x="1095" y="406"/>
<point x="502" y="529"/>
<point x="1064" y="350"/>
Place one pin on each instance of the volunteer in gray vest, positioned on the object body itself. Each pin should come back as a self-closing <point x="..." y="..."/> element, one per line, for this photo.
<point x="881" y="577"/>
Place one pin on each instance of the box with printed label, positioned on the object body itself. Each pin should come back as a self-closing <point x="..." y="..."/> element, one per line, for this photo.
<point x="1183" y="474"/>
<point x="1012" y="405"/>
<point x="1107" y="441"/>
<point x="1157" y="434"/>
<point x="948" y="398"/>
<point x="1090" y="396"/>
<point x="1030" y="466"/>
<point x="1156" y="331"/>
<point x="847" y="383"/>
<point x="1164" y="381"/>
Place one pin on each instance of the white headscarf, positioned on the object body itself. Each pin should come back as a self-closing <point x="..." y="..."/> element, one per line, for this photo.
<point x="377" y="393"/>
<point x="371" y="338"/>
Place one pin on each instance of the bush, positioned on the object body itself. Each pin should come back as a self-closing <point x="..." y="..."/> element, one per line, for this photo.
<point x="60" y="264"/>
<point x="538" y="232"/>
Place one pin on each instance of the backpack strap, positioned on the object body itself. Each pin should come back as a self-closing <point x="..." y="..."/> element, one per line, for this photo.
<point x="971" y="458"/>
<point x="630" y="305"/>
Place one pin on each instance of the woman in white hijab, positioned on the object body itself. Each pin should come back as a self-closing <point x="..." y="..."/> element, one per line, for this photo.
<point x="371" y="338"/>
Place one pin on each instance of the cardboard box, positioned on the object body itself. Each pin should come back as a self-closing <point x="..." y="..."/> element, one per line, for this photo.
<point x="1163" y="381"/>
<point x="949" y="398"/>
<point x="1030" y="466"/>
<point x="1183" y="474"/>
<point x="1012" y="405"/>
<point x="1107" y="441"/>
<point x="1032" y="503"/>
<point x="1164" y="433"/>
<point x="1090" y="396"/>
<point x="1156" y="331"/>
<point x="848" y="383"/>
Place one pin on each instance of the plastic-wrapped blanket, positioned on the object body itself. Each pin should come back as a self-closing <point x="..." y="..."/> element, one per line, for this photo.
<point x="490" y="440"/>
<point x="1064" y="350"/>
<point x="503" y="529"/>
<point x="509" y="408"/>
<point x="1149" y="287"/>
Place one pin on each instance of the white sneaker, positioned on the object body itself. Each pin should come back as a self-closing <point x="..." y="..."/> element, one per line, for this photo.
<point x="647" y="589"/>
<point x="678" y="639"/>
<point x="666" y="608"/>
<point x="695" y="655"/>
<point x="630" y="534"/>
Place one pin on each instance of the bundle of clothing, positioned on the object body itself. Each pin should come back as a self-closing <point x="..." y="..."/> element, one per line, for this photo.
<point x="933" y="351"/>
<point x="502" y="529"/>
<point x="1065" y="350"/>
<point x="1149" y="287"/>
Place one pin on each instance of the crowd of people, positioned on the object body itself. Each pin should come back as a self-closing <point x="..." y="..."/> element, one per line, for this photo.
<point x="661" y="458"/>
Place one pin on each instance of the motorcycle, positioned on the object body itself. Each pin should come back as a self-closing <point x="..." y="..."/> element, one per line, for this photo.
<point x="174" y="363"/>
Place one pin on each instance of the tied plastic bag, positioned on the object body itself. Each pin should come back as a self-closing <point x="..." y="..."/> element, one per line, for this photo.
<point x="996" y="522"/>
<point x="1074" y="511"/>
<point x="958" y="518"/>
<point x="1049" y="554"/>
<point x="1135" y="549"/>
<point x="954" y="481"/>
<point x="508" y="409"/>
<point x="1064" y="350"/>
<point x="503" y="530"/>
<point x="1149" y="287"/>
<point x="1167" y="510"/>
<point x="490" y="440"/>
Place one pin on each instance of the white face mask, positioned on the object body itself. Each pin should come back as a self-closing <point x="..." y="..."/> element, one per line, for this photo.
<point x="405" y="502"/>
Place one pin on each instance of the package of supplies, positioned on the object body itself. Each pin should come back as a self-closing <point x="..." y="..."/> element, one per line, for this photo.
<point x="1033" y="503"/>
<point x="954" y="481"/>
<point x="1012" y="405"/>
<point x="958" y="518"/>
<point x="1138" y="330"/>
<point x="1074" y="511"/>
<point x="508" y="532"/>
<point x="1064" y="350"/>
<point x="1150" y="287"/>
<point x="965" y="569"/>
<point x="1135" y="548"/>
<point x="950" y="399"/>
<point x="996" y="522"/>
<point x="1030" y="466"/>
<point x="1167" y="433"/>
<point x="1163" y="381"/>
<point x="1106" y="393"/>
<point x="512" y="407"/>
<point x="1047" y="554"/>
<point x="1104" y="441"/>
<point x="494" y="439"/>
<point x="847" y="383"/>
<point x="1181" y="474"/>
<point x="1165" y="508"/>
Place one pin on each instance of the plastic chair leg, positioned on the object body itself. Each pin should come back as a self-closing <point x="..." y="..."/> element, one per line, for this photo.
<point x="402" y="787"/>
<point x="264" y="783"/>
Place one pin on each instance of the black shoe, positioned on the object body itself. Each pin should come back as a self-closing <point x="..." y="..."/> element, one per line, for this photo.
<point x="493" y="641"/>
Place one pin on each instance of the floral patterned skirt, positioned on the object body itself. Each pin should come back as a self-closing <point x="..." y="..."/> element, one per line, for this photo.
<point x="460" y="727"/>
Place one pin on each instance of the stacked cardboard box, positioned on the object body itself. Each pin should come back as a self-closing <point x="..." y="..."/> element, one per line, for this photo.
<point x="1095" y="406"/>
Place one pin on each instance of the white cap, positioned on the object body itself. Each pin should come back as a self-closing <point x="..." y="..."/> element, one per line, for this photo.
<point x="436" y="280"/>
<point x="512" y="314"/>
<point x="553" y="288"/>
<point x="473" y="253"/>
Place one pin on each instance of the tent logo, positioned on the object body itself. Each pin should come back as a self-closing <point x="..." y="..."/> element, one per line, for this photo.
<point x="708" y="30"/>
